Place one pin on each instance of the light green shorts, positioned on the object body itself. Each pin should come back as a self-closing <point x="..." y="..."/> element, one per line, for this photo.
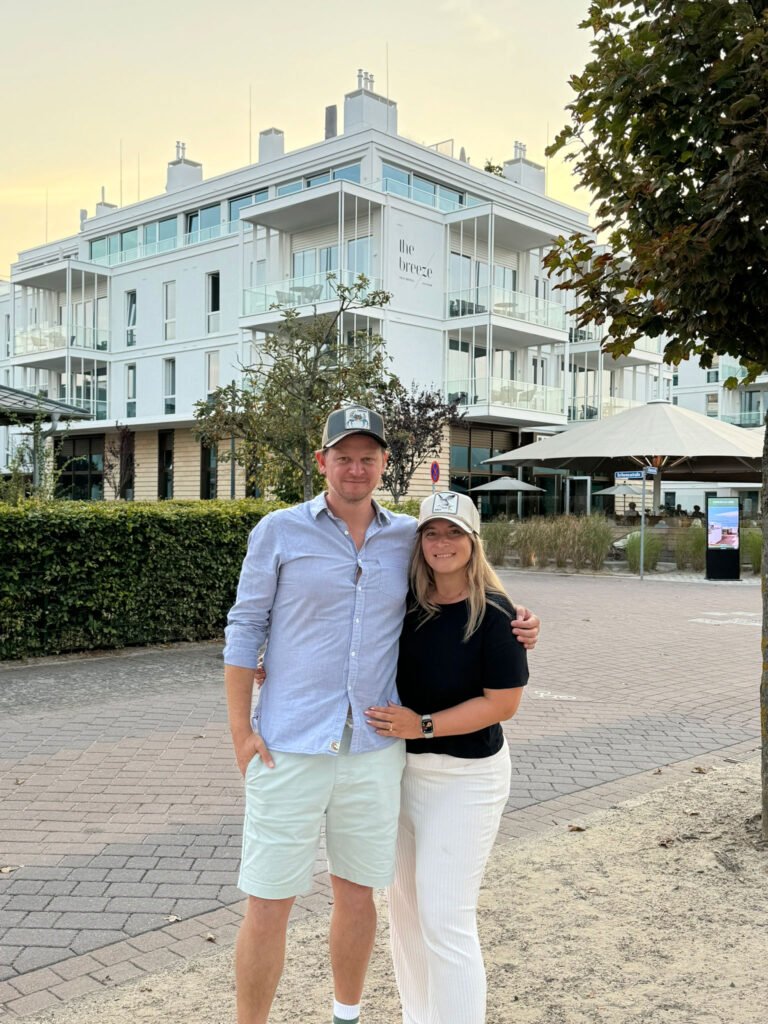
<point x="358" y="795"/>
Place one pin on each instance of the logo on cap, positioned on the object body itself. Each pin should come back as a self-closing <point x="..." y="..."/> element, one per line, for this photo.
<point x="447" y="501"/>
<point x="356" y="418"/>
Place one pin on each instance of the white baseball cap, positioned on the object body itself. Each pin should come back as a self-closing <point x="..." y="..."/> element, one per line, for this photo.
<point x="456" y="508"/>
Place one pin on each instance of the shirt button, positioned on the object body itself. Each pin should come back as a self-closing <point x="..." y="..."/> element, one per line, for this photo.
<point x="346" y="533"/>
<point x="335" y="746"/>
<point x="353" y="654"/>
<point x="357" y="620"/>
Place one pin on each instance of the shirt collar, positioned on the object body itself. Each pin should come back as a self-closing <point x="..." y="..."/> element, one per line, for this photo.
<point x="320" y="503"/>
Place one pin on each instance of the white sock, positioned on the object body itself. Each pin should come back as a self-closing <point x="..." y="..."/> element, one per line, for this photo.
<point x="341" y="1011"/>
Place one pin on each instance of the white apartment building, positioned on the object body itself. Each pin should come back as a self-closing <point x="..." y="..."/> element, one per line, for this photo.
<point x="150" y="307"/>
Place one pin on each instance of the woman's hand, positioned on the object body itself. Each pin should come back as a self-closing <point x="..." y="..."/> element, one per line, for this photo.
<point x="395" y="720"/>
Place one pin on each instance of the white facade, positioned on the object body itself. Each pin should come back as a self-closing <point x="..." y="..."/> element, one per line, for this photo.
<point x="153" y="305"/>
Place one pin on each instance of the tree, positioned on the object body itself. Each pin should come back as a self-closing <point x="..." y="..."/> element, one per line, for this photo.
<point x="415" y="420"/>
<point x="668" y="130"/>
<point x="306" y="370"/>
<point x="119" y="461"/>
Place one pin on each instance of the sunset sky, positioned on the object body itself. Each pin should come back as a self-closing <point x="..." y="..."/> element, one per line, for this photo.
<point x="84" y="79"/>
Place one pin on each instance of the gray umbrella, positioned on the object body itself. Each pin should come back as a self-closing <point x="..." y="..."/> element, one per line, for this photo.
<point x="620" y="491"/>
<point x="507" y="484"/>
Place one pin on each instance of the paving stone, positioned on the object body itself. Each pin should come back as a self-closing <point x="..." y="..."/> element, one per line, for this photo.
<point x="96" y="921"/>
<point x="87" y="941"/>
<point x="28" y="903"/>
<point x="35" y="1003"/>
<point x="58" y="888"/>
<point x="198" y="891"/>
<point x="76" y="966"/>
<point x="76" y="987"/>
<point x="34" y="981"/>
<point x="53" y="937"/>
<point x="33" y="957"/>
<point x="131" y="890"/>
<point x="77" y="904"/>
<point x="88" y="874"/>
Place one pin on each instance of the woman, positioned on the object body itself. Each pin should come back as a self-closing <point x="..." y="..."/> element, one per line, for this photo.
<point x="460" y="673"/>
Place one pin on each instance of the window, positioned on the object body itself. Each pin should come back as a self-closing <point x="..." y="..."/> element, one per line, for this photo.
<point x="395" y="180"/>
<point x="169" y="310"/>
<point x="290" y="187"/>
<point x="211" y="371"/>
<point x="349" y="173"/>
<point x="130" y="319"/>
<point x="164" y="464"/>
<point x="169" y="386"/>
<point x="130" y="390"/>
<point x="7" y="334"/>
<point x="208" y="472"/>
<point x="304" y="263"/>
<point x="241" y="202"/>
<point x="203" y="224"/>
<point x="400" y="182"/>
<point x="129" y="244"/>
<point x="318" y="179"/>
<point x="505" y="278"/>
<point x="539" y="367"/>
<point x="80" y="461"/>
<point x="713" y="376"/>
<point x="710" y="404"/>
<point x="675" y="377"/>
<point x="359" y="255"/>
<point x="213" y="302"/>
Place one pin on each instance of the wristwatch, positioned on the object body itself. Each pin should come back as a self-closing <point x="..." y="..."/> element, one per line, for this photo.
<point x="427" y="727"/>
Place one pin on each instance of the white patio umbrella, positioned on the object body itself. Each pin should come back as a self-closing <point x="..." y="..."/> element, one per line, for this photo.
<point x="620" y="491"/>
<point x="678" y="443"/>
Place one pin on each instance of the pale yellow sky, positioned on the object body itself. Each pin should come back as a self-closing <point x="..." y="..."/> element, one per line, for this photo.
<point x="83" y="78"/>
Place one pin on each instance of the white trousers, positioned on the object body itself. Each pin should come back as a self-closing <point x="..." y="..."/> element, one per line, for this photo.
<point x="449" y="815"/>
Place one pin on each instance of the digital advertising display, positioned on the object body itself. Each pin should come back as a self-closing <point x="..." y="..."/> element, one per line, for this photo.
<point x="723" y="524"/>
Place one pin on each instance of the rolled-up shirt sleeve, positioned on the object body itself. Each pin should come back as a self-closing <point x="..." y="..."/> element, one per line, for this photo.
<point x="249" y="617"/>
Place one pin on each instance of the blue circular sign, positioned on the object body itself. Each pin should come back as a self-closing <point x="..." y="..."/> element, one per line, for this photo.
<point x="434" y="472"/>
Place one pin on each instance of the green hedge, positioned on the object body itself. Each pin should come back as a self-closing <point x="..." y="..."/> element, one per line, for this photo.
<point x="82" y="575"/>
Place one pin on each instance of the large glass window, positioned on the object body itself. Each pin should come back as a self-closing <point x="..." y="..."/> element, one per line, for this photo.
<point x="505" y="277"/>
<point x="349" y="173"/>
<point x="395" y="180"/>
<point x="130" y="390"/>
<point x="290" y="187"/>
<point x="424" y="191"/>
<point x="164" y="464"/>
<point x="80" y="461"/>
<point x="711" y="404"/>
<point x="241" y="202"/>
<point x="169" y="310"/>
<point x="166" y="234"/>
<point x="213" y="302"/>
<point x="130" y="318"/>
<point x="359" y="255"/>
<point x="304" y="263"/>
<point x="169" y="386"/>
<point x="318" y="179"/>
<point x="208" y="472"/>
<point x="204" y="224"/>
<point x="129" y="243"/>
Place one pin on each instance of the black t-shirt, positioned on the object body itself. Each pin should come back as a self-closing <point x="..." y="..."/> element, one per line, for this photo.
<point x="436" y="670"/>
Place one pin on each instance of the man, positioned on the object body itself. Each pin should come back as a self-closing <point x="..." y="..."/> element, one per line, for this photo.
<point x="326" y="581"/>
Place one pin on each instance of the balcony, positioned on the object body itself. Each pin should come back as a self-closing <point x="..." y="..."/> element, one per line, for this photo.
<point x="590" y="409"/>
<point x="516" y="396"/>
<point x="140" y="252"/>
<point x="299" y="292"/>
<point x="507" y="304"/>
<point x="752" y="418"/>
<point x="43" y="338"/>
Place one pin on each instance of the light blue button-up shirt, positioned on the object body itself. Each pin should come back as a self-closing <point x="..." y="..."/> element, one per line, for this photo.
<point x="331" y="616"/>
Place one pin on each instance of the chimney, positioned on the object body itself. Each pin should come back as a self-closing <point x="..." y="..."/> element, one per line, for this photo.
<point x="331" y="122"/>
<point x="271" y="144"/>
<point x="103" y="206"/>
<point x="522" y="171"/>
<point x="366" y="109"/>
<point x="182" y="172"/>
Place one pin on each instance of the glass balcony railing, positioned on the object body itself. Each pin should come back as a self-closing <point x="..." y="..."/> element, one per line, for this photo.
<point x="751" y="418"/>
<point x="50" y="337"/>
<point x="501" y="302"/>
<point x="438" y="197"/>
<point x="513" y="394"/>
<point x="591" y="409"/>
<point x="139" y="252"/>
<point x="730" y="368"/>
<point x="295" y="292"/>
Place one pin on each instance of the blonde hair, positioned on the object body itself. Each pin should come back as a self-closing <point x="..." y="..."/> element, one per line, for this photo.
<point x="481" y="581"/>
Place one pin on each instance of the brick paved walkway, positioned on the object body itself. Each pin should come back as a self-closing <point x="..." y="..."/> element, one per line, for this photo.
<point x="121" y="802"/>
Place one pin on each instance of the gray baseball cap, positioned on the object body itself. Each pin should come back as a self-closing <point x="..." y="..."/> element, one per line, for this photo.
<point x="353" y="419"/>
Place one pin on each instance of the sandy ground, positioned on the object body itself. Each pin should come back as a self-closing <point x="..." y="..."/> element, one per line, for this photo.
<point x="655" y="914"/>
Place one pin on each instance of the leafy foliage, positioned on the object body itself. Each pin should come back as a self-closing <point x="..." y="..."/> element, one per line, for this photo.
<point x="415" y="419"/>
<point x="83" y="575"/>
<point x="668" y="135"/>
<point x="306" y="370"/>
